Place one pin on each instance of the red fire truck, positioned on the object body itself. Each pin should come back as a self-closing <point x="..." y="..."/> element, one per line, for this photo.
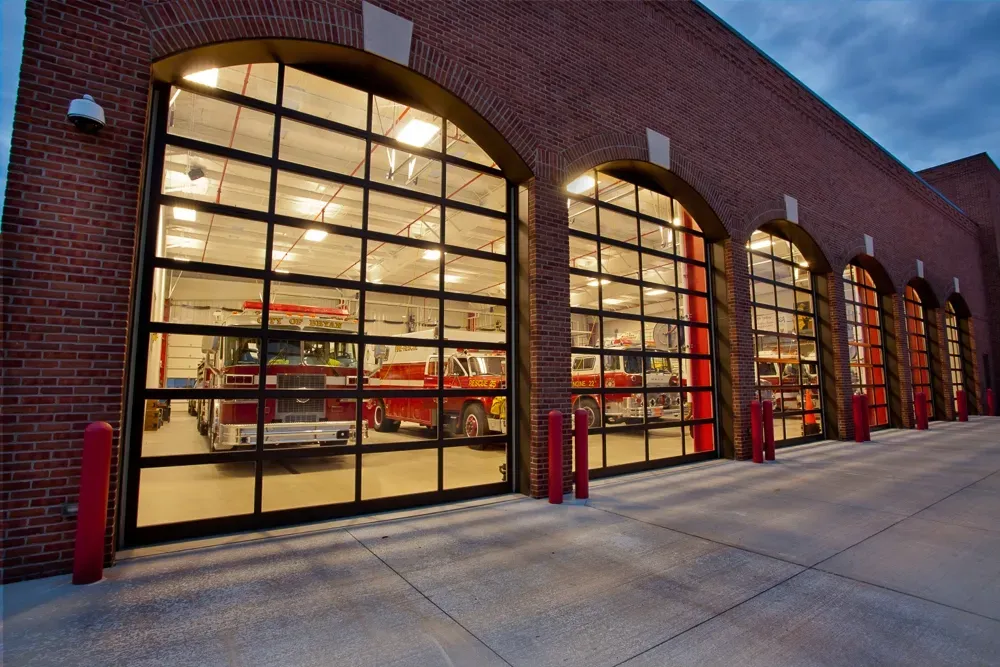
<point x="404" y="365"/>
<point x="624" y="371"/>
<point x="233" y="362"/>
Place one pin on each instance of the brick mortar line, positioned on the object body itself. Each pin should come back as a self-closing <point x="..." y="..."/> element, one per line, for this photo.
<point x="424" y="596"/>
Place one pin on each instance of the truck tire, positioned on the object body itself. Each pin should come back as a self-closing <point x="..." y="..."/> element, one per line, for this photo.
<point x="473" y="424"/>
<point x="593" y="411"/>
<point x="381" y="422"/>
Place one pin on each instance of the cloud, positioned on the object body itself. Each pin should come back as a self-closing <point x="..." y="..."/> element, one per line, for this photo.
<point x="922" y="78"/>
<point x="11" y="38"/>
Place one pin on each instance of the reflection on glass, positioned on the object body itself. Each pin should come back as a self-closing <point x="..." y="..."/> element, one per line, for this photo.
<point x="199" y="176"/>
<point x="188" y="493"/>
<point x="398" y="473"/>
<point x="306" y="482"/>
<point x="216" y="122"/>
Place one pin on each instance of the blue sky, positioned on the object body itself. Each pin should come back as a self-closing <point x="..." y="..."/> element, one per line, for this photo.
<point x="921" y="77"/>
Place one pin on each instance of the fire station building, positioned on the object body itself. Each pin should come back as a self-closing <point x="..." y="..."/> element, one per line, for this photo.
<point x="328" y="258"/>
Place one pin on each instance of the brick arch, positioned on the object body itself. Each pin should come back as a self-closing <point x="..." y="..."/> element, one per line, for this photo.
<point x="616" y="146"/>
<point x="804" y="240"/>
<point x="176" y="26"/>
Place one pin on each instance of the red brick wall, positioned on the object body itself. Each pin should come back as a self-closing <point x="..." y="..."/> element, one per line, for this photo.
<point x="974" y="184"/>
<point x="569" y="84"/>
<point x="68" y="246"/>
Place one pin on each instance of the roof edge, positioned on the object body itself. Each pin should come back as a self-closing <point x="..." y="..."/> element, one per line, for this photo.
<point x="829" y="106"/>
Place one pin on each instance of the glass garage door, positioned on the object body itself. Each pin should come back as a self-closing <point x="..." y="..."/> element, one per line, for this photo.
<point x="786" y="352"/>
<point x="642" y="364"/>
<point x="322" y="323"/>
<point x="865" y="342"/>
<point x="917" y="327"/>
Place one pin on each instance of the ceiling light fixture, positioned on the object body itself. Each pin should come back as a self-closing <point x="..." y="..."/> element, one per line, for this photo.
<point x="655" y="292"/>
<point x="581" y="184"/>
<point x="451" y="278"/>
<point x="417" y="133"/>
<point x="206" y="77"/>
<point x="431" y="255"/>
<point x="315" y="235"/>
<point x="594" y="283"/>
<point x="804" y="264"/>
<point x="185" y="214"/>
<point x="760" y="245"/>
<point x="613" y="302"/>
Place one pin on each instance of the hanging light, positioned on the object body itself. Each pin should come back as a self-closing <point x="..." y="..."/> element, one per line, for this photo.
<point x="417" y="133"/>
<point x="581" y="184"/>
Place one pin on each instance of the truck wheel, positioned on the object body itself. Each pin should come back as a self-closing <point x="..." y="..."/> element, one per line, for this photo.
<point x="593" y="411"/>
<point x="473" y="424"/>
<point x="381" y="422"/>
<point x="202" y="427"/>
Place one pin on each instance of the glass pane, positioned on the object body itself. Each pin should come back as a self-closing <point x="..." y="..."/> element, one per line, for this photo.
<point x="392" y="264"/>
<point x="297" y="307"/>
<point x="660" y="303"/>
<point x="398" y="473"/>
<point x="625" y="446"/>
<point x="658" y="270"/>
<point x="665" y="443"/>
<point x="196" y="236"/>
<point x="475" y="321"/>
<point x="658" y="237"/>
<point x="582" y="254"/>
<point x="188" y="493"/>
<point x="620" y="262"/>
<point x="479" y="232"/>
<point x="692" y="308"/>
<point x="473" y="187"/>
<point x="620" y="298"/>
<point x="615" y="191"/>
<point x="692" y="277"/>
<point x="258" y="80"/>
<point x="461" y="145"/>
<point x="406" y="124"/>
<point x="476" y="416"/>
<point x="200" y="298"/>
<point x="193" y="426"/>
<point x="662" y="337"/>
<point x="583" y="292"/>
<point x="761" y="267"/>
<point x="405" y="170"/>
<point x="655" y="204"/>
<point x="404" y="366"/>
<point x="210" y="178"/>
<point x="586" y="373"/>
<point x="309" y="421"/>
<point x="316" y="252"/>
<point x="323" y="149"/>
<point x="582" y="185"/>
<point x="306" y="482"/>
<point x="398" y="315"/>
<point x="471" y="275"/>
<point x="327" y="99"/>
<point x="216" y="122"/>
<point x="582" y="216"/>
<point x="318" y="200"/>
<point x="404" y="217"/>
<point x="618" y="226"/>
<point x="472" y="466"/>
<point x="585" y="330"/>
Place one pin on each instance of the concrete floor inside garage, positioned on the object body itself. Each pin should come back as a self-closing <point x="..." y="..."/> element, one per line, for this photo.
<point x="838" y="554"/>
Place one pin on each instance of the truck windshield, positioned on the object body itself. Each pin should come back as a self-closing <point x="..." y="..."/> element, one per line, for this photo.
<point x="485" y="365"/>
<point x="633" y="364"/>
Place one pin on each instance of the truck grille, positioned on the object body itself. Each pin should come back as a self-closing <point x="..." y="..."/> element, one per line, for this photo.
<point x="297" y="410"/>
<point x="302" y="381"/>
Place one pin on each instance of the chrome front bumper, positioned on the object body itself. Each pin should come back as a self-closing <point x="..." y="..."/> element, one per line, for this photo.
<point x="282" y="434"/>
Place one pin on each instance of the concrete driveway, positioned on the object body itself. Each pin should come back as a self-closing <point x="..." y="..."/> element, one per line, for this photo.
<point x="838" y="554"/>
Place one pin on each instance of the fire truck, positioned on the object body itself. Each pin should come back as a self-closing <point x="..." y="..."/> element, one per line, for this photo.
<point x="404" y="365"/>
<point x="233" y="362"/>
<point x="624" y="371"/>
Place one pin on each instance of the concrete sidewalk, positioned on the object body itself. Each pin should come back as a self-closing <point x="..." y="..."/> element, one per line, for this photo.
<point x="838" y="554"/>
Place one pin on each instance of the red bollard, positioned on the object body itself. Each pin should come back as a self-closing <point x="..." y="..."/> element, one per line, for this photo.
<point x="920" y="408"/>
<point x="756" y="432"/>
<point x="92" y="512"/>
<point x="767" y="415"/>
<point x="991" y="404"/>
<point x="859" y="429"/>
<point x="582" y="464"/>
<point x="555" y="457"/>
<point x="963" y="406"/>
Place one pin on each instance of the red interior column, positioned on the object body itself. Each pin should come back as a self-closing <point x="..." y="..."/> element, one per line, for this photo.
<point x="701" y="369"/>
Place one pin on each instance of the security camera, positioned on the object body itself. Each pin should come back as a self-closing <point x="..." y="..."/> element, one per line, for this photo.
<point x="86" y="114"/>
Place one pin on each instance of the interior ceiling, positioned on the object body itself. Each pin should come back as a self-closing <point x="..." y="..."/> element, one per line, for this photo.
<point x="198" y="236"/>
